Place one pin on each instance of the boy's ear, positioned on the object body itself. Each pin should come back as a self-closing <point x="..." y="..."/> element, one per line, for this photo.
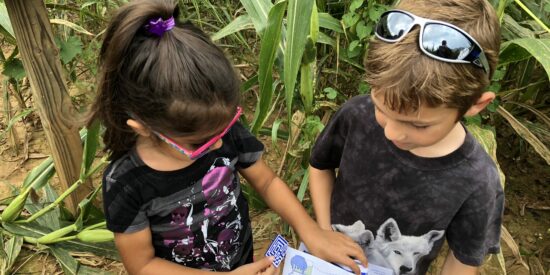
<point x="480" y="104"/>
<point x="139" y="128"/>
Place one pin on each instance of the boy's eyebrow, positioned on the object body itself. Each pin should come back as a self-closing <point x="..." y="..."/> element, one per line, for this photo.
<point x="420" y="122"/>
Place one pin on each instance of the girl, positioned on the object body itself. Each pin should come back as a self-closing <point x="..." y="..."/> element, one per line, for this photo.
<point x="169" y="100"/>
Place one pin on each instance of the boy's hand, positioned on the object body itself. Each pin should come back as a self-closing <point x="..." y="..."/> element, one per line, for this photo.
<point x="262" y="267"/>
<point x="335" y="247"/>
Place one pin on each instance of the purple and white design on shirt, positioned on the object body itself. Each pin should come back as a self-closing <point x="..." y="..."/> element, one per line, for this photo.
<point x="219" y="230"/>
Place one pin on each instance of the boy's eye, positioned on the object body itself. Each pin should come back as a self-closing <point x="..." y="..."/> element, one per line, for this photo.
<point x="420" y="127"/>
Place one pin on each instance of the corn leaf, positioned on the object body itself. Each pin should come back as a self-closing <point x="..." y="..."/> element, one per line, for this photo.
<point x="71" y="25"/>
<point x="328" y="22"/>
<point x="523" y="132"/>
<point x="51" y="218"/>
<point x="268" y="50"/>
<point x="519" y="49"/>
<point x="5" y="25"/>
<point x="299" y="19"/>
<point x="303" y="186"/>
<point x="12" y="248"/>
<point x="12" y="121"/>
<point x="240" y="23"/>
<point x="488" y="141"/>
<point x="91" y="143"/>
<point x="258" y="10"/>
<point x="71" y="266"/>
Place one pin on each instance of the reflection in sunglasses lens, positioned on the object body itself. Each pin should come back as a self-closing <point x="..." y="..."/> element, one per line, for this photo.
<point x="393" y="25"/>
<point x="445" y="42"/>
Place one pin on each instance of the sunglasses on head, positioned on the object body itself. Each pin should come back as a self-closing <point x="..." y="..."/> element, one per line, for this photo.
<point x="439" y="40"/>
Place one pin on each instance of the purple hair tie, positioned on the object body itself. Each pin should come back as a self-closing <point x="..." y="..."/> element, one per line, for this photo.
<point x="159" y="26"/>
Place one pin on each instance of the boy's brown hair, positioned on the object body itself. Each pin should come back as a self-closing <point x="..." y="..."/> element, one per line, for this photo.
<point x="408" y="78"/>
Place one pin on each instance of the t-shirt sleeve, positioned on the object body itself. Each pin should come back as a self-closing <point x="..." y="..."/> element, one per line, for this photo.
<point x="328" y="148"/>
<point x="249" y="148"/>
<point x="475" y="230"/>
<point x="122" y="206"/>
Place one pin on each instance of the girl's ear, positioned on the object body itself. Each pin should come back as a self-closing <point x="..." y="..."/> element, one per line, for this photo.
<point x="480" y="104"/>
<point x="139" y="128"/>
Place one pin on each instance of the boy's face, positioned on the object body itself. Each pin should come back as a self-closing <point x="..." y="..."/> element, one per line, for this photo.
<point x="424" y="128"/>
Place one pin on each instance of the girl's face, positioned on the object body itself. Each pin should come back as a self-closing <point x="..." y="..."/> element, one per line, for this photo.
<point x="198" y="145"/>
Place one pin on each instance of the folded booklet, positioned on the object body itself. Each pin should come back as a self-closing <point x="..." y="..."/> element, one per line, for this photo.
<point x="301" y="262"/>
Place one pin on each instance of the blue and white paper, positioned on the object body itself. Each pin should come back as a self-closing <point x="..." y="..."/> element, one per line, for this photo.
<point x="277" y="248"/>
<point x="299" y="262"/>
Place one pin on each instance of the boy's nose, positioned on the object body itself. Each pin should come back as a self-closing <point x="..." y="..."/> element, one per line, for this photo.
<point x="392" y="131"/>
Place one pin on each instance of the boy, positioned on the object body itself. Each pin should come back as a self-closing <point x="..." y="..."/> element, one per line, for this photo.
<point x="409" y="174"/>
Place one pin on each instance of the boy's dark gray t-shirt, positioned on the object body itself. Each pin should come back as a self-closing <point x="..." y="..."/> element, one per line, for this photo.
<point x="399" y="206"/>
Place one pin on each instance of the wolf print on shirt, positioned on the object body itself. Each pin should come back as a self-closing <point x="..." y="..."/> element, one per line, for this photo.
<point x="219" y="222"/>
<point x="390" y="248"/>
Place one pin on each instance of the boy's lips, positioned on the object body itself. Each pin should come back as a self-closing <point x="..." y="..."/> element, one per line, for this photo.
<point x="400" y="145"/>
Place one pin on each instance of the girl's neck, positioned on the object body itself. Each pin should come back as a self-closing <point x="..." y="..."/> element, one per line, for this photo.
<point x="160" y="156"/>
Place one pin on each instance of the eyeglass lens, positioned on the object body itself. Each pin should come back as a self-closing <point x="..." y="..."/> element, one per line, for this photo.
<point x="394" y="25"/>
<point x="445" y="42"/>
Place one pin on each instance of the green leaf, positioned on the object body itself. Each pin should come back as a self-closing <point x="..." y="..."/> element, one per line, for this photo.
<point x="258" y="10"/>
<point x="90" y="147"/>
<point x="328" y="22"/>
<point x="5" y="25"/>
<point x="303" y="186"/>
<point x="268" y="50"/>
<point x="40" y="174"/>
<point x="84" y="206"/>
<point x="14" y="119"/>
<point x="299" y="13"/>
<point x="355" y="4"/>
<point x="70" y="49"/>
<point x="350" y="19"/>
<point x="240" y="23"/>
<point x="330" y="92"/>
<point x="12" y="249"/>
<point x="513" y="50"/>
<point x="364" y="88"/>
<point x="13" y="68"/>
<point x="363" y="30"/>
<point x="69" y="264"/>
<point x="375" y="12"/>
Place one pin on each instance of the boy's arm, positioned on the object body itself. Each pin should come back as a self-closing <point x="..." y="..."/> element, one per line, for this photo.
<point x="328" y="245"/>
<point x="138" y="257"/>
<point x="454" y="266"/>
<point x="321" y="183"/>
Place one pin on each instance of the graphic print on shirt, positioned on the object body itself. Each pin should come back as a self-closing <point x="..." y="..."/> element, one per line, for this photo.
<point x="390" y="248"/>
<point x="219" y="227"/>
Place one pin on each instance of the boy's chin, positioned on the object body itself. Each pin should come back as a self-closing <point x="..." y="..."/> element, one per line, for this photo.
<point x="404" y="146"/>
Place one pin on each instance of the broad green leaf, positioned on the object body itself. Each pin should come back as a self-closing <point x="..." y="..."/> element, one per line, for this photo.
<point x="69" y="264"/>
<point x="375" y="12"/>
<point x="240" y="23"/>
<point x="51" y="218"/>
<point x="71" y="25"/>
<point x="330" y="92"/>
<point x="12" y="248"/>
<point x="268" y="50"/>
<point x="350" y="19"/>
<point x="514" y="50"/>
<point x="40" y="174"/>
<point x="258" y="10"/>
<point x="13" y="68"/>
<point x="511" y="29"/>
<point x="306" y="80"/>
<point x="90" y="147"/>
<point x="84" y="207"/>
<point x="328" y="22"/>
<point x="327" y="40"/>
<point x="299" y="13"/>
<point x="355" y="4"/>
<point x="314" y="24"/>
<point x="5" y="25"/>
<point x="69" y="49"/>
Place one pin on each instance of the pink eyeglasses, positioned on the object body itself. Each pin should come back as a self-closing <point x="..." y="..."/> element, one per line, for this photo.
<point x="203" y="149"/>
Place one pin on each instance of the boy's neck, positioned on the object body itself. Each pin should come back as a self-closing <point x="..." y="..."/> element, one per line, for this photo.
<point x="450" y="143"/>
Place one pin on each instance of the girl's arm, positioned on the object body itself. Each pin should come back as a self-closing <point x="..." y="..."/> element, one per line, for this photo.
<point x="326" y="244"/>
<point x="320" y="188"/>
<point x="454" y="266"/>
<point x="138" y="257"/>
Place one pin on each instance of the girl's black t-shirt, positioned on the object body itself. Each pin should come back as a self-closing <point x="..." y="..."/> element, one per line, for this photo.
<point x="198" y="215"/>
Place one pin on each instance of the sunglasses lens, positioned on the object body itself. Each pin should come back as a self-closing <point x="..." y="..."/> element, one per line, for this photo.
<point x="446" y="42"/>
<point x="393" y="25"/>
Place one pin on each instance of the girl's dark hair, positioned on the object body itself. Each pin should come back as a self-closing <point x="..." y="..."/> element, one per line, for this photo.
<point x="180" y="83"/>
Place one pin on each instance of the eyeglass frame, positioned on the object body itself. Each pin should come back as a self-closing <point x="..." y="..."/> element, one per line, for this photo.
<point x="481" y="59"/>
<point x="203" y="149"/>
